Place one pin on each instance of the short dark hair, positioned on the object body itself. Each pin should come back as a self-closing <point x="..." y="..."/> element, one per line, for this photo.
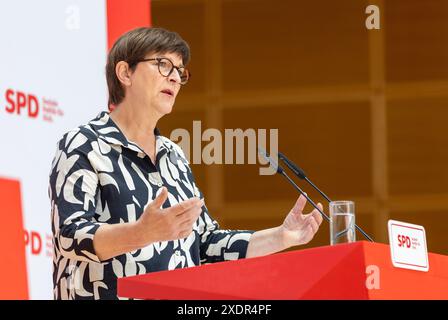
<point x="133" y="46"/>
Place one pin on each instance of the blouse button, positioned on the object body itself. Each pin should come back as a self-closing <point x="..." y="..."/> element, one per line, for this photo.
<point x="159" y="184"/>
<point x="177" y="253"/>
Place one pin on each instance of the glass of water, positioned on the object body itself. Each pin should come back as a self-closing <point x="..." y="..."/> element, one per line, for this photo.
<point x="342" y="222"/>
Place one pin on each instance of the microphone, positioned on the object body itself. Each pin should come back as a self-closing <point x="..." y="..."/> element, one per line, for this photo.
<point x="280" y="170"/>
<point x="301" y="174"/>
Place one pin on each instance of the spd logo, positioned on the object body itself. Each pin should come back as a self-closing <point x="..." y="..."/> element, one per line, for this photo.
<point x="404" y="241"/>
<point x="27" y="104"/>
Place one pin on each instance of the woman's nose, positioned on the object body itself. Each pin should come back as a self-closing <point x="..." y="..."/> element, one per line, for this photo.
<point x="174" y="76"/>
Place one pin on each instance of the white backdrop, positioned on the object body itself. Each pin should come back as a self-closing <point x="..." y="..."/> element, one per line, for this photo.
<point x="52" y="79"/>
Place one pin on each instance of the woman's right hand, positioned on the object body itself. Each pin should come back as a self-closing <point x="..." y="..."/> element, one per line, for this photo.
<point x="157" y="224"/>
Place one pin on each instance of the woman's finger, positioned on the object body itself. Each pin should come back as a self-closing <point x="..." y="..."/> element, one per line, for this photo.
<point x="299" y="206"/>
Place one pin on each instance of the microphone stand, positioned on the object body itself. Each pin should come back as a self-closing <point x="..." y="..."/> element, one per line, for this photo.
<point x="301" y="174"/>
<point x="280" y="170"/>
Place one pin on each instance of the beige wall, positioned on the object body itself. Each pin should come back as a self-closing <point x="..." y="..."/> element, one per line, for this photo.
<point x="363" y="112"/>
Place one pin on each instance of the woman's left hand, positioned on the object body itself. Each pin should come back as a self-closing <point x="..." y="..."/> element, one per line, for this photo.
<point x="299" y="228"/>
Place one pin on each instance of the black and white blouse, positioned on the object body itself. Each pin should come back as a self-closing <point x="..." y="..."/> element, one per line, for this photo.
<point x="97" y="177"/>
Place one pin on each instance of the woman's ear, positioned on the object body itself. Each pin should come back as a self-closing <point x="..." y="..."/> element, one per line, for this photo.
<point x="123" y="73"/>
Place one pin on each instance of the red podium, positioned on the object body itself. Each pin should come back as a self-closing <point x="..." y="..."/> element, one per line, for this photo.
<point x="360" y="270"/>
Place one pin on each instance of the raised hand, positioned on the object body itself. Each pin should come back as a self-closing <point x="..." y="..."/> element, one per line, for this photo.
<point x="299" y="228"/>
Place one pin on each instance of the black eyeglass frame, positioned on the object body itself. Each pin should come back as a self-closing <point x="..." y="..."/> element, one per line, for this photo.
<point x="159" y="59"/>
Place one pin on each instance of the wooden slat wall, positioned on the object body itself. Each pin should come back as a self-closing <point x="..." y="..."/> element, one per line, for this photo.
<point x="363" y="112"/>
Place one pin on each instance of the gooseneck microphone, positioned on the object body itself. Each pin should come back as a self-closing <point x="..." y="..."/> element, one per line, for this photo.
<point x="280" y="170"/>
<point x="301" y="174"/>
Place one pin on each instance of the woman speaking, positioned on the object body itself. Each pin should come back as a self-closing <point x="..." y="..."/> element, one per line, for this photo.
<point x="123" y="197"/>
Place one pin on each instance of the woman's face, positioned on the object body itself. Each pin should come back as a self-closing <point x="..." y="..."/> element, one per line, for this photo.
<point x="152" y="89"/>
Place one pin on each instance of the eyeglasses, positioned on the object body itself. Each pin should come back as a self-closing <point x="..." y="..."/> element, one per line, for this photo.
<point x="166" y="67"/>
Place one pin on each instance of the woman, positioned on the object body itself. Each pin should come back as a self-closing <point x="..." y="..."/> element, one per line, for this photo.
<point x="124" y="200"/>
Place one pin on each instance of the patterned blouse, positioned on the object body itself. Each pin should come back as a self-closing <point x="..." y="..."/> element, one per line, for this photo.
<point x="97" y="177"/>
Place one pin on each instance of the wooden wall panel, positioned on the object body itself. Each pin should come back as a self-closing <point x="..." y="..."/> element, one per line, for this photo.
<point x="292" y="43"/>
<point x="418" y="146"/>
<point x="186" y="18"/>
<point x="331" y="142"/>
<point x="416" y="40"/>
<point x="312" y="70"/>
